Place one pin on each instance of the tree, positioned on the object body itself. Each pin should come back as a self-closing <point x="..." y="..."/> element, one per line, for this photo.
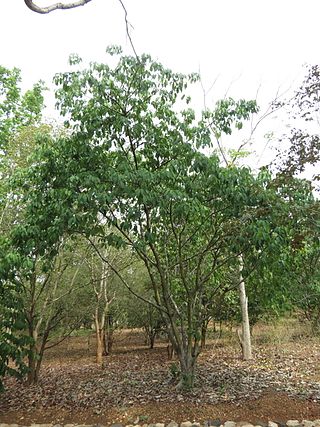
<point x="140" y="314"/>
<point x="19" y="115"/>
<point x="279" y="279"/>
<point x="134" y="161"/>
<point x="32" y="6"/>
<point x="304" y="148"/>
<point x="47" y="297"/>
<point x="106" y="290"/>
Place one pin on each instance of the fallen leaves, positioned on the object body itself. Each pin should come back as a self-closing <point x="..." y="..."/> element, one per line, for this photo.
<point x="139" y="376"/>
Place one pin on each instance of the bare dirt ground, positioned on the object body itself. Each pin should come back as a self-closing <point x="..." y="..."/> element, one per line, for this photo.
<point x="136" y="383"/>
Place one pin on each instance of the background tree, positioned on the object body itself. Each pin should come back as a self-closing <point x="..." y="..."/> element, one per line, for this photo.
<point x="304" y="142"/>
<point x="47" y="302"/>
<point x="20" y="114"/>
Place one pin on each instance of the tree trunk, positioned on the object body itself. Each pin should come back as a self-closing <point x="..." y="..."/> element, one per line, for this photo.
<point x="204" y="328"/>
<point x="99" y="348"/>
<point x="245" y="338"/>
<point x="38" y="366"/>
<point x="32" y="364"/>
<point x="99" y="341"/>
<point x="152" y="339"/>
<point x="107" y="341"/>
<point x="187" y="365"/>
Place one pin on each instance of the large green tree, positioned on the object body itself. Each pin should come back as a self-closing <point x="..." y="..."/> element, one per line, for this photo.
<point x="134" y="160"/>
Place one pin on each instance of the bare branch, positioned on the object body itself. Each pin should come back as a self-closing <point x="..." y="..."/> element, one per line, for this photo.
<point x="127" y="28"/>
<point x="125" y="283"/>
<point x="56" y="6"/>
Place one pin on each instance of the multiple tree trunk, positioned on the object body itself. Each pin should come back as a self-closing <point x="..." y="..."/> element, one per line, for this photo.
<point x="102" y="319"/>
<point x="42" y="314"/>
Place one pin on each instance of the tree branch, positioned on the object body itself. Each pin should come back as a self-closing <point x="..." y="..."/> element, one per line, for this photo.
<point x="56" y="6"/>
<point x="125" y="283"/>
<point x="127" y="29"/>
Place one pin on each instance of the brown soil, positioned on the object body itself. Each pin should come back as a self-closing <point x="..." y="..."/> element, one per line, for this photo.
<point x="272" y="406"/>
<point x="280" y="384"/>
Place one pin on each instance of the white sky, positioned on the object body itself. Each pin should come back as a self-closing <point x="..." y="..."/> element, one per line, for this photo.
<point x="247" y="42"/>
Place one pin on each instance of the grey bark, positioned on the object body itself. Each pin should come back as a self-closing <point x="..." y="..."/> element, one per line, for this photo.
<point x="55" y="6"/>
<point x="245" y="337"/>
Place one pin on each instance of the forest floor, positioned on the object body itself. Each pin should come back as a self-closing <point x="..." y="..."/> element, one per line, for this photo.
<point x="137" y="384"/>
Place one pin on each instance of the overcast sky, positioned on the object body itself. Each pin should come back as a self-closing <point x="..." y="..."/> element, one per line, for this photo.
<point x="244" y="42"/>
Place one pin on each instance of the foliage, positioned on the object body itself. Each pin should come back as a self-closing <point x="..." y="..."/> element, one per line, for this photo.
<point x="17" y="110"/>
<point x="304" y="149"/>
<point x="19" y="113"/>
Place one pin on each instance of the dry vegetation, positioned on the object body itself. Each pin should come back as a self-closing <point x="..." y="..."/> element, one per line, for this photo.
<point x="282" y="382"/>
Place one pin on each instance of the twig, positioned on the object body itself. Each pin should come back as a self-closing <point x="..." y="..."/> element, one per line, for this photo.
<point x="127" y="28"/>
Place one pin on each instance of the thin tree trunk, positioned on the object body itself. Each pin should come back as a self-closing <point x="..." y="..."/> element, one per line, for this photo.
<point x="32" y="365"/>
<point x="99" y="341"/>
<point x="245" y="338"/>
<point x="204" y="328"/>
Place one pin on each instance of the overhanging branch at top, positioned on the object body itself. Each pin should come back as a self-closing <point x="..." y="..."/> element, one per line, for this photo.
<point x="55" y="6"/>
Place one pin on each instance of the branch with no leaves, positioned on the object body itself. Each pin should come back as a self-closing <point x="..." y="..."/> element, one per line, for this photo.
<point x="48" y="9"/>
<point x="125" y="283"/>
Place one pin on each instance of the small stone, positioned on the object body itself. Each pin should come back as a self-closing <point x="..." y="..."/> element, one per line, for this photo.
<point x="69" y="425"/>
<point x="229" y="424"/>
<point x="317" y="423"/>
<point x="215" y="423"/>
<point x="172" y="424"/>
<point x="186" y="424"/>
<point x="195" y="424"/>
<point x="159" y="425"/>
<point x="293" y="423"/>
<point x="307" y="423"/>
<point x="244" y="424"/>
<point x="272" y="424"/>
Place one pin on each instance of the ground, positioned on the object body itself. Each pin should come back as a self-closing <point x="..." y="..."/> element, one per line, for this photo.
<point x="138" y="384"/>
